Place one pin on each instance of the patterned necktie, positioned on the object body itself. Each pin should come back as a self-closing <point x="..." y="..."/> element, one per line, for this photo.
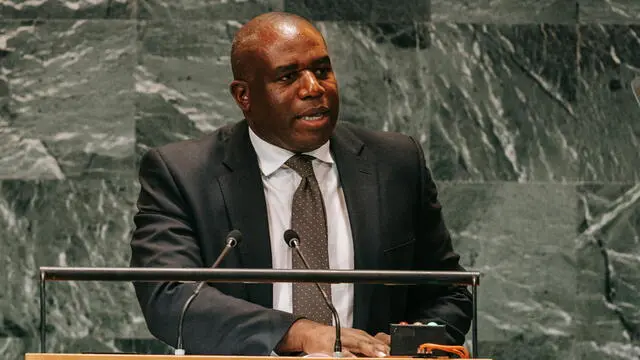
<point x="309" y="220"/>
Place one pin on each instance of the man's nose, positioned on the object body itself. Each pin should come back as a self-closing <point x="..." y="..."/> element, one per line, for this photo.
<point x="309" y="85"/>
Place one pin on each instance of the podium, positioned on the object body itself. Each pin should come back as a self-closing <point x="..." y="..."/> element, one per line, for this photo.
<point x="38" y="356"/>
<point x="388" y="277"/>
<point x="34" y="356"/>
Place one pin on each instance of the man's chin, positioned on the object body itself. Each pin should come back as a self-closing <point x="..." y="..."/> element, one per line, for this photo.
<point x="309" y="140"/>
<point x="309" y="144"/>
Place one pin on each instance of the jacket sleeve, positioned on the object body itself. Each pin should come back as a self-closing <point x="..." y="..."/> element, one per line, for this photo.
<point x="164" y="236"/>
<point x="448" y="305"/>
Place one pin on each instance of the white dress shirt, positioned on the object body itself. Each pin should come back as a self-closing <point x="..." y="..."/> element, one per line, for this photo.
<point x="280" y="182"/>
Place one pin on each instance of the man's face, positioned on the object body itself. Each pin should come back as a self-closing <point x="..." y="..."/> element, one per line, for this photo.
<point x="294" y="101"/>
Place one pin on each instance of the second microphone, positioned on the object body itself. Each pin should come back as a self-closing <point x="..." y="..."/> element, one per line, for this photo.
<point x="292" y="240"/>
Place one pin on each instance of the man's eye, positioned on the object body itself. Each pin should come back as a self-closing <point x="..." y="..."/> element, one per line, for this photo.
<point x="287" y="77"/>
<point x="322" y="72"/>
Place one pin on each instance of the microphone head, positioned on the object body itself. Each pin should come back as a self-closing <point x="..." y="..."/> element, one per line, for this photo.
<point x="291" y="238"/>
<point x="234" y="238"/>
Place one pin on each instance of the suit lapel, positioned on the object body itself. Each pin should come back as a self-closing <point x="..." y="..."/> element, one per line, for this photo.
<point x="244" y="198"/>
<point x="359" y="180"/>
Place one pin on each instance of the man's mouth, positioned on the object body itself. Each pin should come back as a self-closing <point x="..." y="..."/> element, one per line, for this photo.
<point x="313" y="117"/>
<point x="313" y="114"/>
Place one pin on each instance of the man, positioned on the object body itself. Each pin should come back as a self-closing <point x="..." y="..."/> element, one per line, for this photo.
<point x="359" y="199"/>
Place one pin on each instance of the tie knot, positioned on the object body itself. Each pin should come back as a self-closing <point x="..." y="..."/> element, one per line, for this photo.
<point x="301" y="164"/>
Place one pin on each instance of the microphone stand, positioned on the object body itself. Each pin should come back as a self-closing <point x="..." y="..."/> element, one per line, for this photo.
<point x="337" y="346"/>
<point x="232" y="240"/>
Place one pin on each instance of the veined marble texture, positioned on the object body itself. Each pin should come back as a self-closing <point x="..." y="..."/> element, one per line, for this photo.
<point x="67" y="9"/>
<point x="609" y="58"/>
<point x="67" y="107"/>
<point x="523" y="109"/>
<point x="204" y="9"/>
<point x="520" y="237"/>
<point x="371" y="11"/>
<point x="608" y="251"/>
<point x="534" y="102"/>
<point x="182" y="80"/>
<point x="382" y="71"/>
<point x="505" y="11"/>
<point x="67" y="223"/>
<point x="551" y="289"/>
<point x="609" y="11"/>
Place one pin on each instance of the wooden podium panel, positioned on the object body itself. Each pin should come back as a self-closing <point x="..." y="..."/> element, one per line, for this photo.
<point x="35" y="356"/>
<point x="128" y="357"/>
<point x="136" y="357"/>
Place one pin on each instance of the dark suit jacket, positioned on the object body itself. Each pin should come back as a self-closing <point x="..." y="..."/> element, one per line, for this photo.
<point x="194" y="192"/>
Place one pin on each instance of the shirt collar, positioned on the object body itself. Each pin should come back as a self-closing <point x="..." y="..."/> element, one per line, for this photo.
<point x="271" y="157"/>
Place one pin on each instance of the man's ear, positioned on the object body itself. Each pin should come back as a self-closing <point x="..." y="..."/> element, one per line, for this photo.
<point x="240" y="92"/>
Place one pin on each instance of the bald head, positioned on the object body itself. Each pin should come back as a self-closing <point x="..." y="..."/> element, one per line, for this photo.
<point x="284" y="82"/>
<point x="259" y="32"/>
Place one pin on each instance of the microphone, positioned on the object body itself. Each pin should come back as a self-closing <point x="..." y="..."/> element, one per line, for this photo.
<point x="233" y="239"/>
<point x="292" y="240"/>
<point x="635" y="87"/>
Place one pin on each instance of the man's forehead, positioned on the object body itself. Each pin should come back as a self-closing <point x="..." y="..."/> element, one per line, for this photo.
<point x="290" y="56"/>
<point x="263" y="46"/>
<point x="290" y="42"/>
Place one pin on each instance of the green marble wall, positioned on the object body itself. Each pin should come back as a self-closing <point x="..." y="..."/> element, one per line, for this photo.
<point x="523" y="108"/>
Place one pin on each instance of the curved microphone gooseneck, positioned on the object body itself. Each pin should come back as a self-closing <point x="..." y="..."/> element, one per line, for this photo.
<point x="233" y="239"/>
<point x="292" y="240"/>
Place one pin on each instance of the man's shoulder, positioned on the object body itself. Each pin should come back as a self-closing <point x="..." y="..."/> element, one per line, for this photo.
<point x="212" y="140"/>
<point x="206" y="150"/>
<point x="382" y="142"/>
